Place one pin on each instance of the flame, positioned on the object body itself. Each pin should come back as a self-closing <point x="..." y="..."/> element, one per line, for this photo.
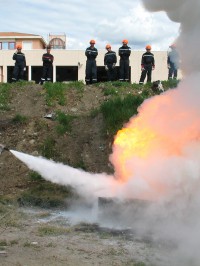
<point x="132" y="142"/>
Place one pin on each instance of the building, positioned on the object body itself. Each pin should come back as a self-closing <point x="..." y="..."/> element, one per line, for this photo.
<point x="9" y="41"/>
<point x="57" y="40"/>
<point x="69" y="65"/>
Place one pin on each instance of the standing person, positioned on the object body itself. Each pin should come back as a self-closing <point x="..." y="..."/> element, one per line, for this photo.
<point x="47" y="71"/>
<point x="173" y="62"/>
<point x="124" y="53"/>
<point x="91" y="68"/>
<point x="147" y="65"/>
<point x="20" y="64"/>
<point x="110" y="60"/>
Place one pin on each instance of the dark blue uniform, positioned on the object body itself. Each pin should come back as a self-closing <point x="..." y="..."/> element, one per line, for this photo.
<point x="110" y="59"/>
<point x="124" y="53"/>
<point x="47" y="72"/>
<point x="20" y="64"/>
<point x="91" y="67"/>
<point x="147" y="64"/>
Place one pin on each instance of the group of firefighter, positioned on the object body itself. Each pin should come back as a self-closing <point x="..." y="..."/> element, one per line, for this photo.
<point x="110" y="60"/>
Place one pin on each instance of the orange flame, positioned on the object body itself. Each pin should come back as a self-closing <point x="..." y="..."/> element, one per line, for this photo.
<point x="132" y="142"/>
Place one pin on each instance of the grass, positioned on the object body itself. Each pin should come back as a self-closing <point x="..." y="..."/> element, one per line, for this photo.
<point x="117" y="111"/>
<point x="46" y="195"/>
<point x="8" y="215"/>
<point x="78" y="85"/>
<point x="19" y="119"/>
<point x="34" y="176"/>
<point x="47" y="149"/>
<point x="52" y="231"/>
<point x="64" y="122"/>
<point x="4" y="96"/>
<point x="3" y="243"/>
<point x="56" y="92"/>
<point x="172" y="83"/>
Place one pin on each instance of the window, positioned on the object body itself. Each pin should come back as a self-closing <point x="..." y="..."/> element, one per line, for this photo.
<point x="27" y="45"/>
<point x="4" y="45"/>
<point x="7" y="45"/>
<point x="11" y="45"/>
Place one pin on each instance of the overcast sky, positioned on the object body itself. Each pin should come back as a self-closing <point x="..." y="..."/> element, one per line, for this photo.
<point x="81" y="20"/>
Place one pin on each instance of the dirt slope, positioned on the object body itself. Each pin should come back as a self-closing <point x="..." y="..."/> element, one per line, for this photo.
<point x="84" y="146"/>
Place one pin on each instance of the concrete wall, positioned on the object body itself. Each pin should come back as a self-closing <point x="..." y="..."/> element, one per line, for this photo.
<point x="77" y="58"/>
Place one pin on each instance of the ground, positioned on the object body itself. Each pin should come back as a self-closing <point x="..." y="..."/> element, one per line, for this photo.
<point x="35" y="236"/>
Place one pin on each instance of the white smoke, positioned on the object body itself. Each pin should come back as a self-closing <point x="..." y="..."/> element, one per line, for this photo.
<point x="177" y="115"/>
<point x="87" y="184"/>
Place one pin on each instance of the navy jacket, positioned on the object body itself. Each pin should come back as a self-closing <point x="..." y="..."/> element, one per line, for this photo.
<point x="91" y="53"/>
<point x="110" y="58"/>
<point x="19" y="58"/>
<point x="124" y="52"/>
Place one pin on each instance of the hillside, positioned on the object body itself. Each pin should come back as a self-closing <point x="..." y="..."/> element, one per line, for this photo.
<point x="73" y="124"/>
<point x="24" y="128"/>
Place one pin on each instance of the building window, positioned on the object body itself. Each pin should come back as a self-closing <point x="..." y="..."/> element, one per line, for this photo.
<point x="7" y="45"/>
<point x="57" y="43"/>
<point x="11" y="45"/>
<point x="27" y="45"/>
<point x="4" y="45"/>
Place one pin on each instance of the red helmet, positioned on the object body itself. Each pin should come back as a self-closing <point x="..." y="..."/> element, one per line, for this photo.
<point x="92" y="41"/>
<point x="125" y="41"/>
<point x="148" y="47"/>
<point x="19" y="46"/>
<point x="108" y="46"/>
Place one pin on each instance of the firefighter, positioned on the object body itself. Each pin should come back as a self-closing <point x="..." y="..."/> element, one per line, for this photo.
<point x="147" y="65"/>
<point x="173" y="62"/>
<point x="47" y="71"/>
<point x="124" y="53"/>
<point x="20" y="64"/>
<point x="110" y="60"/>
<point x="91" y="68"/>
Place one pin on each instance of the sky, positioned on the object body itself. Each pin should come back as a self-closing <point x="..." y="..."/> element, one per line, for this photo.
<point x="82" y="20"/>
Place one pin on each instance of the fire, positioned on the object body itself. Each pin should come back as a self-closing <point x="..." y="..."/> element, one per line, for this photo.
<point x="132" y="142"/>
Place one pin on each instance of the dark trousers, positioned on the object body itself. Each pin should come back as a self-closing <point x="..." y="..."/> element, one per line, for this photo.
<point x="147" y="71"/>
<point x="47" y="73"/>
<point x="124" y="70"/>
<point x="18" y="72"/>
<point x="91" y="72"/>
<point x="173" y="72"/>
<point x="111" y="72"/>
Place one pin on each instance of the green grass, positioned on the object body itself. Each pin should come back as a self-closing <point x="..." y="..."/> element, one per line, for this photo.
<point x="117" y="111"/>
<point x="55" y="93"/>
<point x="19" y="119"/>
<point x="78" y="85"/>
<point x="34" y="176"/>
<point x="172" y="83"/>
<point x="52" y="231"/>
<point x="45" y="194"/>
<point x="64" y="122"/>
<point x="47" y="149"/>
<point x="4" y="96"/>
